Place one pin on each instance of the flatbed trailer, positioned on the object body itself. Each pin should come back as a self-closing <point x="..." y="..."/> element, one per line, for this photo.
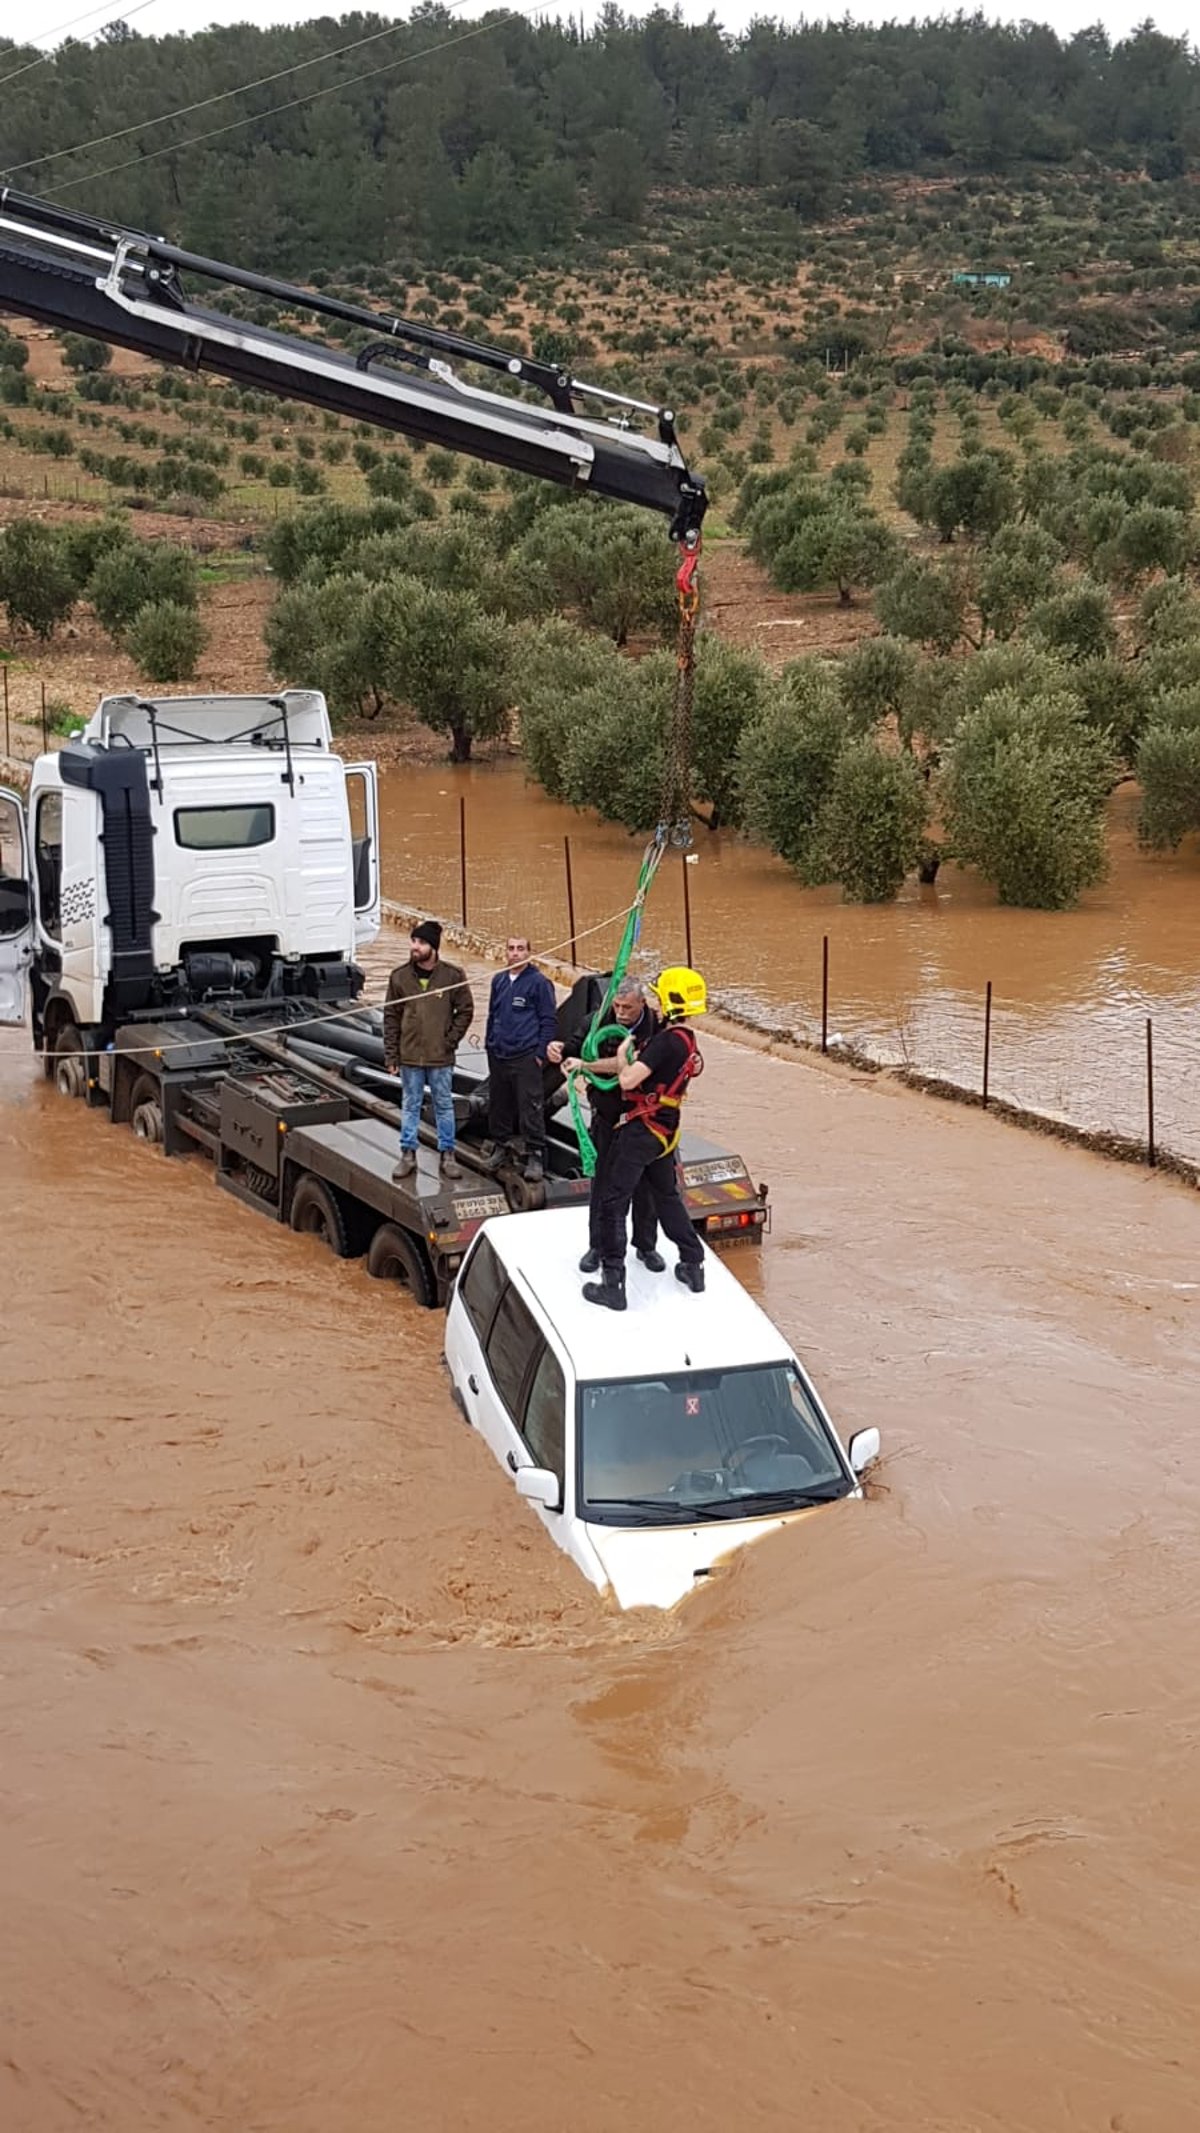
<point x="300" y="1131"/>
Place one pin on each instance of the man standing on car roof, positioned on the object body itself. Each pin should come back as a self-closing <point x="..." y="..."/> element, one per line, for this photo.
<point x="632" y="1007"/>
<point x="521" y="1036"/>
<point x="653" y="1085"/>
<point x="427" y="1013"/>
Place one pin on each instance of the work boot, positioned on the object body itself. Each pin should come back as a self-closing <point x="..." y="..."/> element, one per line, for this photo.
<point x="590" y="1262"/>
<point x="449" y="1164"/>
<point x="653" y="1260"/>
<point x="534" y="1170"/>
<point x="406" y="1166"/>
<point x="691" y="1273"/>
<point x="609" y="1290"/>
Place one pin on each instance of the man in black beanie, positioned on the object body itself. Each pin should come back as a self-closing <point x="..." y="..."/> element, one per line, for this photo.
<point x="426" y="1015"/>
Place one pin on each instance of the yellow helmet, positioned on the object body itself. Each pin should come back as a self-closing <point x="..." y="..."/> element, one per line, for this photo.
<point x="680" y="991"/>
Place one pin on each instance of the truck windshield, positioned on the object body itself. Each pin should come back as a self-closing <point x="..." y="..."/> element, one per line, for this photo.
<point x="704" y="1444"/>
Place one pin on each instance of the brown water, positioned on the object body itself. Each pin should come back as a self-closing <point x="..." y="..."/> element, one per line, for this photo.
<point x="333" y="1799"/>
<point x="1071" y="990"/>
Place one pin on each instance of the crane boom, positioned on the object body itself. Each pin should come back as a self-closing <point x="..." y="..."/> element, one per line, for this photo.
<point x="81" y="275"/>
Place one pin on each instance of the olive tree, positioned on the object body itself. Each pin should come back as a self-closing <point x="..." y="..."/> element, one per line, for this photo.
<point x="1023" y="797"/>
<point x="38" y="581"/>
<point x="166" y="640"/>
<point x="873" y="822"/>
<point x="786" y="763"/>
<point x="1168" y="768"/>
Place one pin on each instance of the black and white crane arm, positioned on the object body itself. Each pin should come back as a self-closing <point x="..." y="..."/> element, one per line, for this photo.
<point x="81" y="275"/>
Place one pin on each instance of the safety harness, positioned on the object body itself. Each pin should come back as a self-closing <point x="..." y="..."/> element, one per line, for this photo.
<point x="645" y="1103"/>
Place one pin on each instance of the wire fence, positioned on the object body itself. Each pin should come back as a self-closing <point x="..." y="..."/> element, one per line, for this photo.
<point x="1121" y="1072"/>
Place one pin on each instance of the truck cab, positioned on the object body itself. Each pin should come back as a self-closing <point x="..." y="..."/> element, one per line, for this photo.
<point x="181" y="848"/>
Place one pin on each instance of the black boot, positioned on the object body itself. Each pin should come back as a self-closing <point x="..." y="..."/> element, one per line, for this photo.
<point x="609" y="1291"/>
<point x="691" y="1273"/>
<point x="590" y="1262"/>
<point x="653" y="1260"/>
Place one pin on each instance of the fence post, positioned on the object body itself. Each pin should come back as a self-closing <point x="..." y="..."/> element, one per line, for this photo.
<point x="45" y="739"/>
<point x="7" y="738"/>
<point x="825" y="992"/>
<point x="987" y="1040"/>
<point x="687" y="910"/>
<point x="462" y="851"/>
<point x="570" y="899"/>
<point x="1151" y="1149"/>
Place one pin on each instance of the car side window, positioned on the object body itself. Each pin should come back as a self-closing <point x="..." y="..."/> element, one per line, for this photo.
<point x="545" y="1415"/>
<point x="480" y="1284"/>
<point x="510" y="1349"/>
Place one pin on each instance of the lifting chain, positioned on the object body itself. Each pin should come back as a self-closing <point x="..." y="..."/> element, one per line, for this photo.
<point x="675" y="827"/>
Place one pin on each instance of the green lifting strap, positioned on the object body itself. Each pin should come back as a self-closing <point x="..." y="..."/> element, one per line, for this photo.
<point x="602" y="1029"/>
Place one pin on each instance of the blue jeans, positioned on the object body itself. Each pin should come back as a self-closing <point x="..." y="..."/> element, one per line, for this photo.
<point x="412" y="1095"/>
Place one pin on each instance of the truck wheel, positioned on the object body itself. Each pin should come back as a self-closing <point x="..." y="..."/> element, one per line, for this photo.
<point x="395" y="1256"/>
<point x="70" y="1062"/>
<point x="318" y="1212"/>
<point x="145" y="1109"/>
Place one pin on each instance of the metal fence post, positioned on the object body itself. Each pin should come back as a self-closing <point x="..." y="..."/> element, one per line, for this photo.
<point x="987" y="1040"/>
<point x="687" y="910"/>
<point x="825" y="992"/>
<point x="45" y="738"/>
<point x="462" y="851"/>
<point x="1151" y="1148"/>
<point x="7" y="736"/>
<point x="570" y="899"/>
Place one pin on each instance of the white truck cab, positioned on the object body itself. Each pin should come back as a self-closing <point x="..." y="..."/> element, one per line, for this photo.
<point x="650" y="1443"/>
<point x="179" y="848"/>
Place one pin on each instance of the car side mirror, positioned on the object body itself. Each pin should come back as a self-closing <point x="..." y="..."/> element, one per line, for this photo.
<point x="538" y="1485"/>
<point x="863" y="1450"/>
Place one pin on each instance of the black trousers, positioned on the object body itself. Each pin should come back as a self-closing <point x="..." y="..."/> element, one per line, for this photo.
<point x="516" y="1105"/>
<point x="645" y="1220"/>
<point x="635" y="1158"/>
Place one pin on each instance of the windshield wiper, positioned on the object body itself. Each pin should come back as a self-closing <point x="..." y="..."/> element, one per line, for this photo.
<point x="772" y="1500"/>
<point x="667" y="1509"/>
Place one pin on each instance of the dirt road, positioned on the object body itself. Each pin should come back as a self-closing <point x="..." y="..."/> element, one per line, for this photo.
<point x="331" y="1799"/>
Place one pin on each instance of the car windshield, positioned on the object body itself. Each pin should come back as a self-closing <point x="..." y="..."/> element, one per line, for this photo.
<point x="704" y="1444"/>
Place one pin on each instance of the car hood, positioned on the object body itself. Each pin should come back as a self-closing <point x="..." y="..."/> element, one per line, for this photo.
<point x="657" y="1566"/>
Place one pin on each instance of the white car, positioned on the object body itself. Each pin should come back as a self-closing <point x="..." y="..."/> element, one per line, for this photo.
<point x="651" y="1442"/>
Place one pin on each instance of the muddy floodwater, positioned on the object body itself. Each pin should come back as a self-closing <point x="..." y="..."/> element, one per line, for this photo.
<point x="1072" y="990"/>
<point x="333" y="1799"/>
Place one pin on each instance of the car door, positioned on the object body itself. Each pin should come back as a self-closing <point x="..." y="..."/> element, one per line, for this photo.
<point x="16" y="910"/>
<point x="362" y="795"/>
<point x="477" y="1292"/>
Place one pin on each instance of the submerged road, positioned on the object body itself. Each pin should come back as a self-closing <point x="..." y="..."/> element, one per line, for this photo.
<point x="331" y="1798"/>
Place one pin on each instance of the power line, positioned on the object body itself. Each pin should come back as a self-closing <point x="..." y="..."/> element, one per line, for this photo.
<point x="60" y="29"/>
<point x="255" y="118"/>
<point x="101" y="140"/>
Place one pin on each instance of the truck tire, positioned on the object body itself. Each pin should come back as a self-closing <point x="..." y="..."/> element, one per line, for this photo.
<point x="70" y="1062"/>
<point x="145" y="1109"/>
<point x="317" y="1211"/>
<point x="395" y="1256"/>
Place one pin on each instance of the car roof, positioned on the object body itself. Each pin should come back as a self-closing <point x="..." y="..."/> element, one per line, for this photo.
<point x="665" y="1327"/>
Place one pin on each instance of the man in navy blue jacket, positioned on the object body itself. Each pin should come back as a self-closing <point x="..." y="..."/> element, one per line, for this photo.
<point x="521" y="1037"/>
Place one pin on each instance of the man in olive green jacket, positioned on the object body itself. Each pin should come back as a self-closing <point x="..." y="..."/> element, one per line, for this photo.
<point x="426" y="1015"/>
